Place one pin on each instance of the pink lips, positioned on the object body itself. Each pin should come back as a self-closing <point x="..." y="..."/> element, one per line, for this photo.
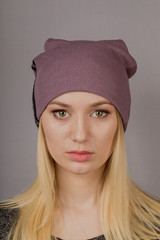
<point x="79" y="156"/>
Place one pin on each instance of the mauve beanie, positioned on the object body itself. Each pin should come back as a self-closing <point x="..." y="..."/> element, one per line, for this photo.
<point x="101" y="67"/>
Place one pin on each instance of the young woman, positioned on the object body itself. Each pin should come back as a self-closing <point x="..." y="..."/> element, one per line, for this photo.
<point x="81" y="102"/>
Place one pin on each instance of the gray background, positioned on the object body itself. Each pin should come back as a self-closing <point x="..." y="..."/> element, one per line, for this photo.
<point x="25" y="25"/>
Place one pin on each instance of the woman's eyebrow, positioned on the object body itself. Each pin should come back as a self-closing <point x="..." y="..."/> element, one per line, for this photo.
<point x="69" y="106"/>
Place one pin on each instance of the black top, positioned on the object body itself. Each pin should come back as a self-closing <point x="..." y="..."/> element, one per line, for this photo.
<point x="8" y="216"/>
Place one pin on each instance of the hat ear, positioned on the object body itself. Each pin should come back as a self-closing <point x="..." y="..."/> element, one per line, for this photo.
<point x="130" y="63"/>
<point x="121" y="44"/>
<point x="53" y="43"/>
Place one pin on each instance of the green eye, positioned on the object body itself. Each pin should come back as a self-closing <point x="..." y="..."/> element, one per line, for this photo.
<point x="61" y="113"/>
<point x="100" y="113"/>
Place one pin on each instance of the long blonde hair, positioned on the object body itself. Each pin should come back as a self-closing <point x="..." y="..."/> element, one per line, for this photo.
<point x="127" y="212"/>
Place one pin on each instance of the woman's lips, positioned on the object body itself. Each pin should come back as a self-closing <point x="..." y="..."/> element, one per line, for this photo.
<point x="79" y="157"/>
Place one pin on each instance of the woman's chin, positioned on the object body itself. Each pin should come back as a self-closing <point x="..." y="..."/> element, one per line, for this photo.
<point x="80" y="168"/>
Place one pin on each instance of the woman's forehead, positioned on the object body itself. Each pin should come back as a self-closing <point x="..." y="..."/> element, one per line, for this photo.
<point x="71" y="98"/>
<point x="91" y="97"/>
<point x="79" y="99"/>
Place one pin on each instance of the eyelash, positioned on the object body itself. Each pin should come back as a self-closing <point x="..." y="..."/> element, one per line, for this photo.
<point x="62" y="110"/>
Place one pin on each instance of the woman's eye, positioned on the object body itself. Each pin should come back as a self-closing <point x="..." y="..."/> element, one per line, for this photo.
<point x="100" y="113"/>
<point x="60" y="113"/>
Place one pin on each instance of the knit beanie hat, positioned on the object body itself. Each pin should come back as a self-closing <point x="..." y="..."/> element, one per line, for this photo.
<point x="101" y="67"/>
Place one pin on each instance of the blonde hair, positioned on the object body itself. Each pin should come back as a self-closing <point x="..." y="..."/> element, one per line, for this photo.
<point x="127" y="212"/>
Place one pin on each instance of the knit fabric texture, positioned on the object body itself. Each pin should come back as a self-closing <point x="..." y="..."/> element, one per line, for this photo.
<point x="101" y="67"/>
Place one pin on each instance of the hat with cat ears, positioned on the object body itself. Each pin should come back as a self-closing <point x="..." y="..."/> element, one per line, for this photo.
<point x="101" y="67"/>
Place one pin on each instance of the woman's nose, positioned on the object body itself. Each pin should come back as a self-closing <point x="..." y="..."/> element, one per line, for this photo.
<point x="80" y="129"/>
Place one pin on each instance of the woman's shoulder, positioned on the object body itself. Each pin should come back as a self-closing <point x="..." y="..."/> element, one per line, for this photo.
<point x="7" y="218"/>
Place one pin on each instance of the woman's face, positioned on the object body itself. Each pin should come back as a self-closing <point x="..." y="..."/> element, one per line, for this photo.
<point x="79" y="126"/>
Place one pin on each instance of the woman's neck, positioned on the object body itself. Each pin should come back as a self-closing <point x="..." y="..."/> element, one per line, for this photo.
<point x="77" y="215"/>
<point x="78" y="191"/>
